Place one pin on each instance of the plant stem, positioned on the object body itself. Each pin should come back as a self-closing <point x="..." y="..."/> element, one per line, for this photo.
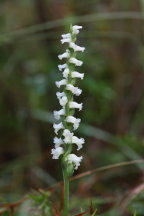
<point x="66" y="193"/>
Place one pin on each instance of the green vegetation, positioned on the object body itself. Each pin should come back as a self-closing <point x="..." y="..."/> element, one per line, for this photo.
<point x="112" y="117"/>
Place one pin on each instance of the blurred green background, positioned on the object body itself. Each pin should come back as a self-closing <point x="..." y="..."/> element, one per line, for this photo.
<point x="113" y="92"/>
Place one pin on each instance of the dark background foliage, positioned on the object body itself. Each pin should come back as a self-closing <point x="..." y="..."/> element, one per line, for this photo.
<point x="113" y="91"/>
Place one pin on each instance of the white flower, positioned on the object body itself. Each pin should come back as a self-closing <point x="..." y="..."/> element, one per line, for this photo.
<point x="58" y="127"/>
<point x="76" y="28"/>
<point x="76" y="47"/>
<point x="76" y="105"/>
<point x="62" y="98"/>
<point x="74" y="121"/>
<point x="61" y="82"/>
<point x="68" y="35"/>
<point x="75" y="90"/>
<point x="66" y="38"/>
<point x="63" y="66"/>
<point x="60" y="94"/>
<point x="75" y="61"/>
<point x="68" y="136"/>
<point x="64" y="55"/>
<point x="66" y="73"/>
<point x="57" y="152"/>
<point x="76" y="74"/>
<point x="57" y="141"/>
<point x="63" y="101"/>
<point x="78" y="141"/>
<point x="57" y="114"/>
<point x="72" y="158"/>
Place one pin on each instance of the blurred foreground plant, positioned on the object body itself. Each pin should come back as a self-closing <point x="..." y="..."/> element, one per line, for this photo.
<point x="41" y="199"/>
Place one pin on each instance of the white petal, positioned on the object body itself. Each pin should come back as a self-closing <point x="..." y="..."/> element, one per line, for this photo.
<point x="75" y="105"/>
<point x="75" y="90"/>
<point x="76" y="74"/>
<point x="74" y="121"/>
<point x="58" y="141"/>
<point x="64" y="55"/>
<point x="76" y="28"/>
<point x="62" y="98"/>
<point x="65" y="40"/>
<point x="58" y="127"/>
<point x="66" y="35"/>
<point x="63" y="101"/>
<point x="68" y="136"/>
<point x="61" y="82"/>
<point x="75" y="61"/>
<point x="57" y="114"/>
<point x="60" y="94"/>
<point x="66" y="73"/>
<point x="78" y="141"/>
<point x="72" y="158"/>
<point x="63" y="66"/>
<point x="76" y="47"/>
<point x="57" y="152"/>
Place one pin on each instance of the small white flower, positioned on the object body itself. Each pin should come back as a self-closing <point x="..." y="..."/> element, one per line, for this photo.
<point x="78" y="141"/>
<point x="72" y="158"/>
<point x="63" y="101"/>
<point x="76" y="47"/>
<point x="68" y="136"/>
<point x="57" y="152"/>
<point x="75" y="105"/>
<point x="74" y="121"/>
<point x="57" y="141"/>
<point x="64" y="55"/>
<point x="76" y="74"/>
<point x="75" y="61"/>
<point x="61" y="82"/>
<point x="62" y="98"/>
<point x="68" y="35"/>
<point x="66" y="38"/>
<point x="76" y="28"/>
<point x="75" y="90"/>
<point x="60" y="94"/>
<point x="63" y="66"/>
<point x="57" y="114"/>
<point x="58" y="127"/>
<point x="66" y="73"/>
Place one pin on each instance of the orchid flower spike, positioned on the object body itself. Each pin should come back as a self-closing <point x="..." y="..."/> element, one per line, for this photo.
<point x="67" y="123"/>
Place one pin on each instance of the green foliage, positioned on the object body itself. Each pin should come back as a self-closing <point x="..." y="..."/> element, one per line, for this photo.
<point x="41" y="202"/>
<point x="135" y="213"/>
<point x="94" y="213"/>
<point x="113" y="93"/>
<point x="137" y="205"/>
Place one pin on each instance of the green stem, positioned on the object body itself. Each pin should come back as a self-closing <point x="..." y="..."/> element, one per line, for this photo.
<point x="66" y="193"/>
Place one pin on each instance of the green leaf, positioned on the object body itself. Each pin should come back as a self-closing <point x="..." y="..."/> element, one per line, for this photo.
<point x="94" y="213"/>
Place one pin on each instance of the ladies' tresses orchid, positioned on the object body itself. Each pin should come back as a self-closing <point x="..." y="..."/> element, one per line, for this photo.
<point x="68" y="123"/>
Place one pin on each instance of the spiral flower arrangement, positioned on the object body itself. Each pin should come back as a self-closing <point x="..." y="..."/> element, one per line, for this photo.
<point x="64" y="130"/>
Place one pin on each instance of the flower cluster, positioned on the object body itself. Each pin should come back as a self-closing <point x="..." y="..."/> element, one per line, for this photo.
<point x="67" y="122"/>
